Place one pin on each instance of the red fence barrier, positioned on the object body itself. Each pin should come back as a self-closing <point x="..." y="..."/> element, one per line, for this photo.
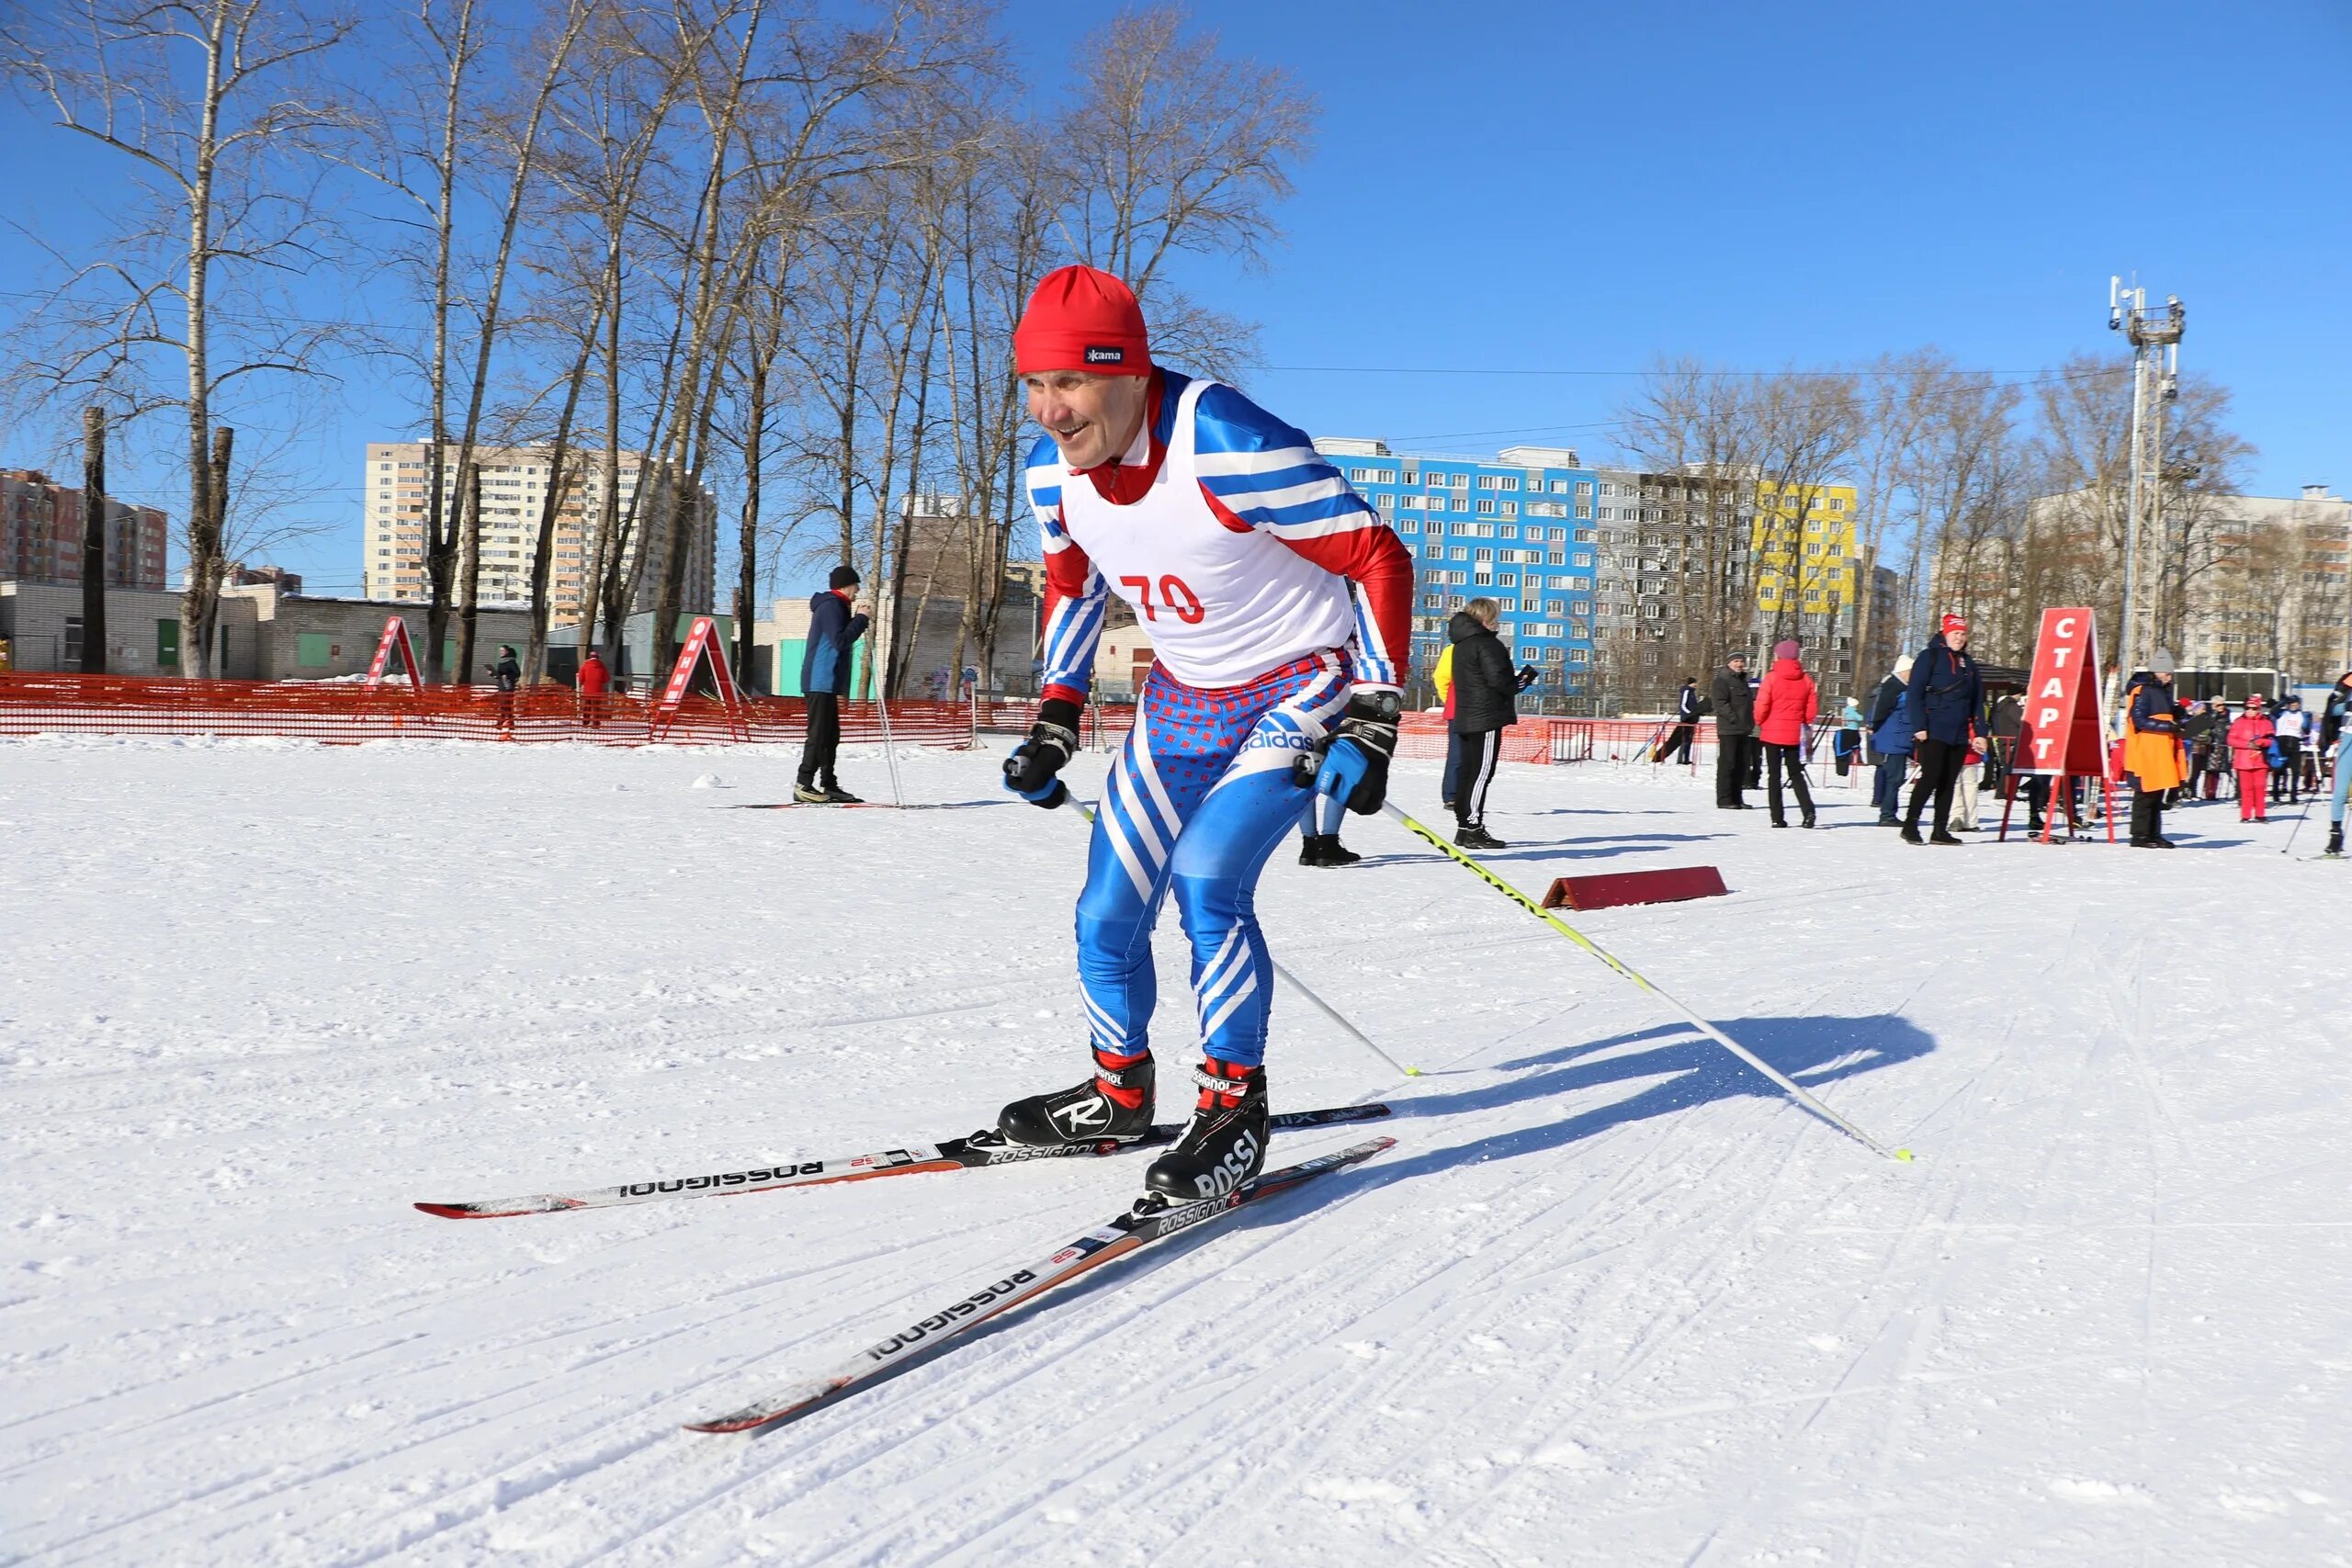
<point x="336" y="712"/>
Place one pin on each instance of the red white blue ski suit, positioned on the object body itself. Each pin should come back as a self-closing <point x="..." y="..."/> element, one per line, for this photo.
<point x="1270" y="590"/>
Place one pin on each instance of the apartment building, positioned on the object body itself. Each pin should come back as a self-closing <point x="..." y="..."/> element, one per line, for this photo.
<point x="1683" y="555"/>
<point x="41" y="534"/>
<point x="514" y="486"/>
<point x="2249" y="581"/>
<point x="1518" y="527"/>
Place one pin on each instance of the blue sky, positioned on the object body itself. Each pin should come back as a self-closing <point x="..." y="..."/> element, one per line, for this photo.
<point x="1584" y="188"/>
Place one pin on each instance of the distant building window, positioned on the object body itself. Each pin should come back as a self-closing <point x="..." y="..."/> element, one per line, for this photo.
<point x="1510" y="509"/>
<point x="1584" y="558"/>
<point x="1486" y="506"/>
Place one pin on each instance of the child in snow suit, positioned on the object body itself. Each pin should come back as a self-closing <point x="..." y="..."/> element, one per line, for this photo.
<point x="2250" y="736"/>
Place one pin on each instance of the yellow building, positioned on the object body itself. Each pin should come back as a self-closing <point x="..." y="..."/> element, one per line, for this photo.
<point x="1802" y="541"/>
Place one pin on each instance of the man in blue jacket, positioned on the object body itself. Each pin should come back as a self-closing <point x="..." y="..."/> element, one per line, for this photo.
<point x="834" y="626"/>
<point x="1941" y="710"/>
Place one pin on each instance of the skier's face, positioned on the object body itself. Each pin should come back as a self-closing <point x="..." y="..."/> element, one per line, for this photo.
<point x="1091" y="418"/>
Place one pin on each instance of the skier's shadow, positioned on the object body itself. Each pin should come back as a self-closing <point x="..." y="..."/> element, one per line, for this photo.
<point x="1690" y="1068"/>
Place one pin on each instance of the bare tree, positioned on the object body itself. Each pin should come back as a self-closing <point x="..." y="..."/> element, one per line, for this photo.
<point x="1172" y="147"/>
<point x="212" y="107"/>
<point x="94" y="541"/>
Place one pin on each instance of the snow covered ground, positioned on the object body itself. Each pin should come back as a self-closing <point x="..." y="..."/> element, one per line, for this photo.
<point x="1609" y="1300"/>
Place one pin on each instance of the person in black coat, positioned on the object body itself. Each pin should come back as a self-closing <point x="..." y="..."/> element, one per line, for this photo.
<point x="507" y="675"/>
<point x="1485" y="693"/>
<point x="1944" y="709"/>
<point x="834" y="626"/>
<point x="1687" y="709"/>
<point x="1734" y="701"/>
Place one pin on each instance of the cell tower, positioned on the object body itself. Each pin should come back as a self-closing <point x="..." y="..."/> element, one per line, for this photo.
<point x="2155" y="381"/>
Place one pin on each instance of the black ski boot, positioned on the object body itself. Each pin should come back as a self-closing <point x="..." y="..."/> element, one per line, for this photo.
<point x="1474" y="835"/>
<point x="808" y="794"/>
<point x="1087" y="1112"/>
<point x="1224" y="1144"/>
<point x="837" y="796"/>
<point x="2335" y="839"/>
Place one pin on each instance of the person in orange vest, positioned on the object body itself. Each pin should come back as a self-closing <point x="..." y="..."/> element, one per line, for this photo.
<point x="2152" y="749"/>
<point x="2251" y="734"/>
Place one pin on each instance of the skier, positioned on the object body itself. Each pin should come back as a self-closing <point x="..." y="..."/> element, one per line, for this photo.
<point x="2335" y="729"/>
<point x="1279" y="605"/>
<point x="834" y="626"/>
<point x="1687" y="708"/>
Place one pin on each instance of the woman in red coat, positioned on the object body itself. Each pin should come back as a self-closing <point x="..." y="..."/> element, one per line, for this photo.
<point x="2250" y="736"/>
<point x="1786" y="700"/>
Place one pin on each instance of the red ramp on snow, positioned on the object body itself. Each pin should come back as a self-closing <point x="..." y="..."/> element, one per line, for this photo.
<point x="1609" y="889"/>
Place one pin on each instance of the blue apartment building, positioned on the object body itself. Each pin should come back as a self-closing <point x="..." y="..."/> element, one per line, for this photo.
<point x="1518" y="528"/>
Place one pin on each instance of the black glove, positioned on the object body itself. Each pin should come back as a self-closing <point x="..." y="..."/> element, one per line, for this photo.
<point x="1355" y="758"/>
<point x="1029" y="771"/>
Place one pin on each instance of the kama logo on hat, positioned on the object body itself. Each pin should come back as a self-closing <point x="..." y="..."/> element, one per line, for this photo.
<point x="1096" y="355"/>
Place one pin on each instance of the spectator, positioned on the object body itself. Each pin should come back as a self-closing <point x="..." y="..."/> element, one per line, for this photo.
<point x="2198" y="733"/>
<point x="1734" y="701"/>
<point x="1940" y="709"/>
<point x="1786" y="702"/>
<point x="2250" y="738"/>
<point x="834" y="625"/>
<point x="2289" y="725"/>
<point x="2152" y="749"/>
<point x="1486" y="692"/>
<point x="596" y="680"/>
<point x="1848" y="745"/>
<point x="1442" y="679"/>
<point x="1891" y="743"/>
<point x="1687" y="708"/>
<point x="508" y="675"/>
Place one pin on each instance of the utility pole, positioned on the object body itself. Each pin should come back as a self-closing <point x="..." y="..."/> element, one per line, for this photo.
<point x="2155" y="381"/>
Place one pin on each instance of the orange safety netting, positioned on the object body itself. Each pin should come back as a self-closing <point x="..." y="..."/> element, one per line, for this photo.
<point x="348" y="713"/>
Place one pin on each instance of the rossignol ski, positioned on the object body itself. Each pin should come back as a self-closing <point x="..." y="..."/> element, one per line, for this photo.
<point x="980" y="1150"/>
<point x="1147" y="1221"/>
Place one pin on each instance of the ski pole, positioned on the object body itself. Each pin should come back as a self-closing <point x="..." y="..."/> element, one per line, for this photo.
<point x="1628" y="972"/>
<point x="1301" y="986"/>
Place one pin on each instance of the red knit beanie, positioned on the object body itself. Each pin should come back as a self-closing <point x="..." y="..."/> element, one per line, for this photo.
<point x="1951" y="624"/>
<point x="1082" y="317"/>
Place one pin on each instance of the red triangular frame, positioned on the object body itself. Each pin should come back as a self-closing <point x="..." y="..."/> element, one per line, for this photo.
<point x="702" y="639"/>
<point x="2066" y="712"/>
<point x="395" y="637"/>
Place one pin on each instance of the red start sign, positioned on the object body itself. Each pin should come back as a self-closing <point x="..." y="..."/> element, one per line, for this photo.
<point x="395" y="637"/>
<point x="702" y="643"/>
<point x="2063" y="727"/>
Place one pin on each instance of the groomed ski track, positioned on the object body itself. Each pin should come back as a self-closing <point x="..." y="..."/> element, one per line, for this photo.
<point x="1609" y="1300"/>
